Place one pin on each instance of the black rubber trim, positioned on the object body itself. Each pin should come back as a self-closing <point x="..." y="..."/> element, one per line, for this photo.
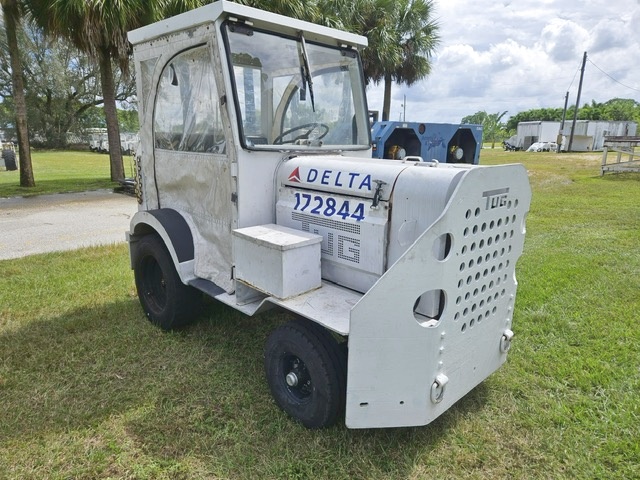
<point x="178" y="230"/>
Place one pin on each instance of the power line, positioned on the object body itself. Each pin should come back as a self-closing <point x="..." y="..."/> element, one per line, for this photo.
<point x="617" y="81"/>
<point x="574" y="76"/>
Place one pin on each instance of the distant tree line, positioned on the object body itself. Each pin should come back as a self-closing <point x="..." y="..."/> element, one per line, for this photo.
<point x="616" y="109"/>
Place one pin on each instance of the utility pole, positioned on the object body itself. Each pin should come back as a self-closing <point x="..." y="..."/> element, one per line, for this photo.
<point x="564" y="116"/>
<point x="575" y="113"/>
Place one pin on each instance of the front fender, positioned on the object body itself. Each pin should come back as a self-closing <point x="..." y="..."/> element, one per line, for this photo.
<point x="174" y="230"/>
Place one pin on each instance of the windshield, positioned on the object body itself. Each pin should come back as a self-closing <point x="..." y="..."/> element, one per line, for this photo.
<point x="291" y="94"/>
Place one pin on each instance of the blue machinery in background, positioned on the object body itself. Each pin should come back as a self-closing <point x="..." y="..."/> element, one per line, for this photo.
<point x="444" y="142"/>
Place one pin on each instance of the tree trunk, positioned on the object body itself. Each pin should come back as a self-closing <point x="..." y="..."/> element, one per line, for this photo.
<point x="386" y="106"/>
<point x="11" y="16"/>
<point x="111" y="116"/>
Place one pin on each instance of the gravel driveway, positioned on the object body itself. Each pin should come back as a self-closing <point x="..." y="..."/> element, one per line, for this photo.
<point x="63" y="221"/>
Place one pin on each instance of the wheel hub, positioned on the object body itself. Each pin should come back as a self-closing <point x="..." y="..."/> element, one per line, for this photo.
<point x="292" y="379"/>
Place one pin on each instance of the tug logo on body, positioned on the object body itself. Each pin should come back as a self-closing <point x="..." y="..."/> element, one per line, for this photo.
<point x="351" y="180"/>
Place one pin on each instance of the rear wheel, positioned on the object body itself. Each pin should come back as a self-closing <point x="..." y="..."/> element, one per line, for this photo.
<point x="306" y="372"/>
<point x="167" y="302"/>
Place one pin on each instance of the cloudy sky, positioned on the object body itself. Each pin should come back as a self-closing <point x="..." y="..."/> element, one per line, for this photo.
<point x="516" y="55"/>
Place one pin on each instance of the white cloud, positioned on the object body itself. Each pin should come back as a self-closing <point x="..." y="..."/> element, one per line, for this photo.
<point x="518" y="55"/>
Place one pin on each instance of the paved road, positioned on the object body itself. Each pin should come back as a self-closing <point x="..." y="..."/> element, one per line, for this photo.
<point x="64" y="221"/>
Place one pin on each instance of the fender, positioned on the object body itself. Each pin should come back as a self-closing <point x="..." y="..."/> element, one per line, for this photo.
<point x="175" y="232"/>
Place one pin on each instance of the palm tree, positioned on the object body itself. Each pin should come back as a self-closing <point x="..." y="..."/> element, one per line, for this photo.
<point x="11" y="10"/>
<point x="403" y="39"/>
<point x="492" y="126"/>
<point x="99" y="28"/>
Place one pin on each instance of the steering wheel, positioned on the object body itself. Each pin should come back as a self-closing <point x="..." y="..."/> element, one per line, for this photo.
<point x="310" y="128"/>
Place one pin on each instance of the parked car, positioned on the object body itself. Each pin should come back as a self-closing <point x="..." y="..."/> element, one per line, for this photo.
<point x="543" y="147"/>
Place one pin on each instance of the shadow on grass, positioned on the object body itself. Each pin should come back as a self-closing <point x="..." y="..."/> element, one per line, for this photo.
<point x="199" y="393"/>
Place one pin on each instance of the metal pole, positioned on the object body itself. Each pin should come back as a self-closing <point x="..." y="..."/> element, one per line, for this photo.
<point x="575" y="114"/>
<point x="564" y="116"/>
<point x="404" y="109"/>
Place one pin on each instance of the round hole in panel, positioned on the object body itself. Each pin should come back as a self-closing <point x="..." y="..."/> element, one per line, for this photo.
<point x="471" y="322"/>
<point x="475" y="229"/>
<point x="467" y="215"/>
<point x="484" y="227"/>
<point x="471" y="263"/>
<point x="492" y="224"/>
<point x="481" y="244"/>
<point x="462" y="266"/>
<point x="477" y="212"/>
<point x="442" y="247"/>
<point x="464" y="249"/>
<point x="466" y="232"/>
<point x="467" y="296"/>
<point x="460" y="283"/>
<point x="428" y="308"/>
<point x="499" y="222"/>
<point x="515" y="202"/>
<point x="463" y="328"/>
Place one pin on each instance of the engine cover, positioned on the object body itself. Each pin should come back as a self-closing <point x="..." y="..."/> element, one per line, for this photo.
<point x="334" y="197"/>
<point x="368" y="212"/>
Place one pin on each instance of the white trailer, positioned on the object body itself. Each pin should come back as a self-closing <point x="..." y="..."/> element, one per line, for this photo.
<point x="257" y="187"/>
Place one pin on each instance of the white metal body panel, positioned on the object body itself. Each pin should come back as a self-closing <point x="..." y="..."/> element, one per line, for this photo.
<point x="329" y="306"/>
<point x="276" y="260"/>
<point x="394" y="359"/>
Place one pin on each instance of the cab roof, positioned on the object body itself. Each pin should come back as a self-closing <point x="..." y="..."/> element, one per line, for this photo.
<point x="224" y="9"/>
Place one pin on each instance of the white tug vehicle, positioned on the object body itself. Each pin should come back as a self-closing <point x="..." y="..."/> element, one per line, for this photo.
<point x="256" y="187"/>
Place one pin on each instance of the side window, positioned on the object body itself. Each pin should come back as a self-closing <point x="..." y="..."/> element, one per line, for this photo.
<point x="187" y="110"/>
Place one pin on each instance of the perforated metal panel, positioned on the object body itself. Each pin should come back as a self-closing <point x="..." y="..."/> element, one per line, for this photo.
<point x="405" y="369"/>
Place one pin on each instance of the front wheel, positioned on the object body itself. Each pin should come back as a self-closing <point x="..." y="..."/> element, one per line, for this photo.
<point x="167" y="302"/>
<point x="306" y="372"/>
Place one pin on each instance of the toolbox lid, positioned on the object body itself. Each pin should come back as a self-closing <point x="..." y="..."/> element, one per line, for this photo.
<point x="277" y="237"/>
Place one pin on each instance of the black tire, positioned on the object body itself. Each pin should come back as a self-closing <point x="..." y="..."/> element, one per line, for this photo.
<point x="167" y="302"/>
<point x="9" y="157"/>
<point x="306" y="371"/>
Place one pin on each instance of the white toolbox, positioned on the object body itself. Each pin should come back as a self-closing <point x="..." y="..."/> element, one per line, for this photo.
<point x="276" y="260"/>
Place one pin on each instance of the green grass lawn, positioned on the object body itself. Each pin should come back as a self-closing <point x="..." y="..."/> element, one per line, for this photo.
<point x="89" y="389"/>
<point x="61" y="171"/>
